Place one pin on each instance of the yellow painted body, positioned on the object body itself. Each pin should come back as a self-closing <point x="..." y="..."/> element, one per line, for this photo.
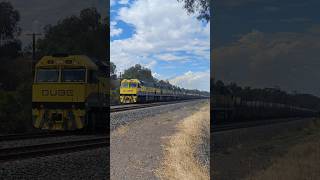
<point x="134" y="90"/>
<point x="129" y="94"/>
<point x="63" y="105"/>
<point x="45" y="92"/>
<point x="76" y="122"/>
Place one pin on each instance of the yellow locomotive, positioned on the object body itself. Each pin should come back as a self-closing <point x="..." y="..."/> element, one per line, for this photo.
<point x="70" y="92"/>
<point x="137" y="91"/>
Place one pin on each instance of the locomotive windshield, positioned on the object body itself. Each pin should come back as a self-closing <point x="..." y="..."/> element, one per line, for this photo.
<point x="133" y="85"/>
<point x="124" y="84"/>
<point x="73" y="75"/>
<point x="47" y="75"/>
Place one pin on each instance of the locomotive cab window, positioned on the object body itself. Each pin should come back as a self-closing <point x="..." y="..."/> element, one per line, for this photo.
<point x="133" y="85"/>
<point x="73" y="75"/>
<point x="124" y="84"/>
<point x="47" y="75"/>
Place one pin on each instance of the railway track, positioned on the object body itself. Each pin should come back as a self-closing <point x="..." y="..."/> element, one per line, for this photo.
<point x="119" y="108"/>
<point x="116" y="108"/>
<point x="39" y="150"/>
<point x="233" y="126"/>
<point x="22" y="136"/>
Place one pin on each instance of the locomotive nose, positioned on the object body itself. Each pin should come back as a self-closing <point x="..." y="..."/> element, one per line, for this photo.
<point x="56" y="117"/>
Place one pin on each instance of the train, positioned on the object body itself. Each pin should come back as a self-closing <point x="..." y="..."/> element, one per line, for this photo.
<point x="70" y="92"/>
<point x="73" y="92"/>
<point x="230" y="109"/>
<point x="138" y="91"/>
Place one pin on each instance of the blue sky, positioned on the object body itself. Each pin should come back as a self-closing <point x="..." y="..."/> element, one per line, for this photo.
<point x="163" y="37"/>
<point x="268" y="43"/>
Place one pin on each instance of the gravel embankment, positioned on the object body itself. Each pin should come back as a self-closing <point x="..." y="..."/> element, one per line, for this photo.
<point x="203" y="149"/>
<point x="184" y="156"/>
<point x="90" y="164"/>
<point x="137" y="147"/>
<point x="124" y="117"/>
<point x="239" y="153"/>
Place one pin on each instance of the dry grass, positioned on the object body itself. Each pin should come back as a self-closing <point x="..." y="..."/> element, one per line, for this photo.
<point x="301" y="162"/>
<point x="180" y="157"/>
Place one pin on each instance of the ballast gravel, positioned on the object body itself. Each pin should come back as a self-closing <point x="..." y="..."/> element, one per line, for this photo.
<point x="137" y="148"/>
<point x="123" y="117"/>
<point x="89" y="164"/>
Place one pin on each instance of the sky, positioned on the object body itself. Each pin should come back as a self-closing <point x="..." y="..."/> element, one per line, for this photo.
<point x="161" y="36"/>
<point x="268" y="43"/>
<point x="36" y="14"/>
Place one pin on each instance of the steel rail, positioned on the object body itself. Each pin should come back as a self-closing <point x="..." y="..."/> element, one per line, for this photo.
<point x="140" y="106"/>
<point x="22" y="136"/>
<point x="40" y="150"/>
<point x="234" y="126"/>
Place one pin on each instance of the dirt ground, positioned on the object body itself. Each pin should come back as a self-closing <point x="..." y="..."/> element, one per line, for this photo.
<point x="186" y="154"/>
<point x="281" y="151"/>
<point x="136" y="149"/>
<point x="302" y="161"/>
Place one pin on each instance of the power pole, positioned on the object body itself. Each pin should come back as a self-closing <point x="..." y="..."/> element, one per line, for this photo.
<point x="34" y="45"/>
<point x="33" y="50"/>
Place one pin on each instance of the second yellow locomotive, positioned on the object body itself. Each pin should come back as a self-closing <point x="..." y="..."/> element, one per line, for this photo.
<point x="137" y="91"/>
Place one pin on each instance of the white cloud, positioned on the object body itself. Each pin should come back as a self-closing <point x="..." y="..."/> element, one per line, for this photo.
<point x="193" y="80"/>
<point x="113" y="30"/>
<point x="151" y="64"/>
<point x="170" y="57"/>
<point x="289" y="60"/>
<point x="160" y="30"/>
<point x="156" y="75"/>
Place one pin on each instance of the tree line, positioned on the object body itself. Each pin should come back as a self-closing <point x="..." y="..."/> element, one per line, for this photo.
<point x="86" y="34"/>
<point x="274" y="95"/>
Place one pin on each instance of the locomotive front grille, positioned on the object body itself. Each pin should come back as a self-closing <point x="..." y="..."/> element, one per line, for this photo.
<point x="57" y="117"/>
